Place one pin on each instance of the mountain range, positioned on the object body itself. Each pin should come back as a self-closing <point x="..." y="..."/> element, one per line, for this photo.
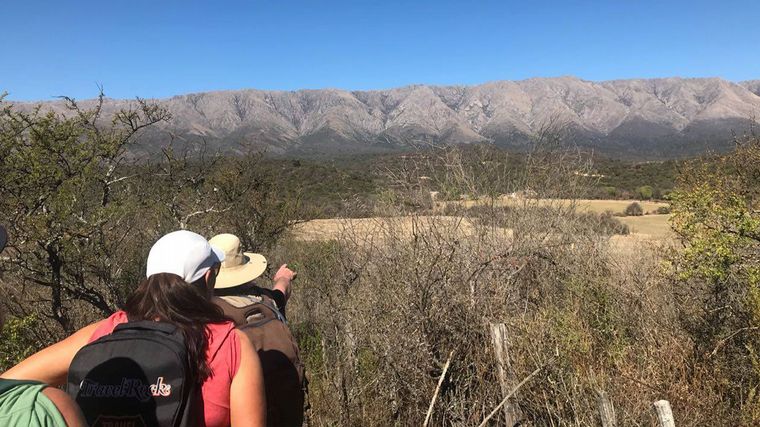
<point x="637" y="118"/>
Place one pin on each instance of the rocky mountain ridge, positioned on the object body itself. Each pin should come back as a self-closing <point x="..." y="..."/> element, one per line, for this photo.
<point x="642" y="118"/>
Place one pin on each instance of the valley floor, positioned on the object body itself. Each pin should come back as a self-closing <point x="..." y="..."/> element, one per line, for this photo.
<point x="650" y="226"/>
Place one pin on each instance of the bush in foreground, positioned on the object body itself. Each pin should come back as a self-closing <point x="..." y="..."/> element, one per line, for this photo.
<point x="716" y="216"/>
<point x="381" y="313"/>
<point x="385" y="308"/>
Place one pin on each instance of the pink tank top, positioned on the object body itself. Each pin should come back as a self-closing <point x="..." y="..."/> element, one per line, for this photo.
<point x="223" y="357"/>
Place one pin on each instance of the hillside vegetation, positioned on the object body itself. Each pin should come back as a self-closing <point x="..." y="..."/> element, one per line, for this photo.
<point x="351" y="185"/>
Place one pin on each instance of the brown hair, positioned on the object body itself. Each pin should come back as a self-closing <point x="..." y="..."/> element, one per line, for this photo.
<point x="167" y="297"/>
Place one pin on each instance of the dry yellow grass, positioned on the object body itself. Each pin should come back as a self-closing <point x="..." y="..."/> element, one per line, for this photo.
<point x="651" y="225"/>
<point x="598" y="206"/>
<point x="381" y="227"/>
<point x="642" y="227"/>
<point x="647" y="226"/>
<point x="617" y="206"/>
<point x="647" y="231"/>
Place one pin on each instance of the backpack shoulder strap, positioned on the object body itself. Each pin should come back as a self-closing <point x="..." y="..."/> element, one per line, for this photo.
<point x="147" y="325"/>
<point x="249" y="310"/>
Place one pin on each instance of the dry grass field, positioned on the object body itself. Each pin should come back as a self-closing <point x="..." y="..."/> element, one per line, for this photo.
<point x="598" y="206"/>
<point x="646" y="226"/>
<point x="657" y="226"/>
<point x="369" y="229"/>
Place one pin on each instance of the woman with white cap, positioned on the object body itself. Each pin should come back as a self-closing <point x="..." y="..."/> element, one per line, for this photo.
<point x="181" y="272"/>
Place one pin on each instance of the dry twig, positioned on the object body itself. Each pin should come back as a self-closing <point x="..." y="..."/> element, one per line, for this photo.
<point x="437" y="390"/>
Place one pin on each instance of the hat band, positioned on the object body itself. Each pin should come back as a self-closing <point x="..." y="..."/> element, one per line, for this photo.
<point x="243" y="260"/>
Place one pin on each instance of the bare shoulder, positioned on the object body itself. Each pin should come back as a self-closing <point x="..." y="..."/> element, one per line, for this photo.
<point x="247" y="398"/>
<point x="66" y="406"/>
<point x="249" y="358"/>
<point x="242" y="337"/>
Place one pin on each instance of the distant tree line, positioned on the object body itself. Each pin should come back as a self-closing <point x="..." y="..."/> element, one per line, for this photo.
<point x="606" y="178"/>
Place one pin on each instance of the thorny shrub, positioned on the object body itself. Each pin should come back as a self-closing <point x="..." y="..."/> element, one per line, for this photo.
<point x="381" y="308"/>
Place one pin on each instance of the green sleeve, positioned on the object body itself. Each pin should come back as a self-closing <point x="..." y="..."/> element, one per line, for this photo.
<point x="23" y="404"/>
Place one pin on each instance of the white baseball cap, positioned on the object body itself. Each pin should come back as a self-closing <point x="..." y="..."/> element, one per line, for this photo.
<point x="184" y="253"/>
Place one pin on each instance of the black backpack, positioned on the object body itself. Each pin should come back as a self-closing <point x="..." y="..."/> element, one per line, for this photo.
<point x="136" y="376"/>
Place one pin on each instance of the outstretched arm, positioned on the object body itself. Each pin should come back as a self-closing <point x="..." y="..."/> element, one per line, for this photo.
<point x="248" y="406"/>
<point x="282" y="280"/>
<point x="51" y="365"/>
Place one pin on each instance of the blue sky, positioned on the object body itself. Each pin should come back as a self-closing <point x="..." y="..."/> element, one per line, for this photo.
<point x="160" y="48"/>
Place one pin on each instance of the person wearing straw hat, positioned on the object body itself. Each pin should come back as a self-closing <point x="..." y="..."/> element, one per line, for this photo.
<point x="260" y="314"/>
<point x="240" y="269"/>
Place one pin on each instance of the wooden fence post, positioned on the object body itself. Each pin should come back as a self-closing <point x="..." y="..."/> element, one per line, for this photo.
<point x="606" y="409"/>
<point x="507" y="378"/>
<point x="664" y="414"/>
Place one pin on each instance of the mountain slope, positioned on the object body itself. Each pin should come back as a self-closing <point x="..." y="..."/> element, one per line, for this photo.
<point x="644" y="118"/>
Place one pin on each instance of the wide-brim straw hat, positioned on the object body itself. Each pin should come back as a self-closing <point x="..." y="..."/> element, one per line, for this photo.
<point x="238" y="267"/>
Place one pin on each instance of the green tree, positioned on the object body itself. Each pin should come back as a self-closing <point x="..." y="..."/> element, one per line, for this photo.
<point x="67" y="201"/>
<point x="645" y="192"/>
<point x="257" y="209"/>
<point x="716" y="213"/>
<point x="83" y="210"/>
<point x="17" y="340"/>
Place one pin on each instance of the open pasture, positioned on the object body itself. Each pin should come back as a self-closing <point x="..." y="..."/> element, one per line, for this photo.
<point x="589" y="205"/>
<point x="368" y="229"/>
<point x="651" y="226"/>
<point x="656" y="226"/>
